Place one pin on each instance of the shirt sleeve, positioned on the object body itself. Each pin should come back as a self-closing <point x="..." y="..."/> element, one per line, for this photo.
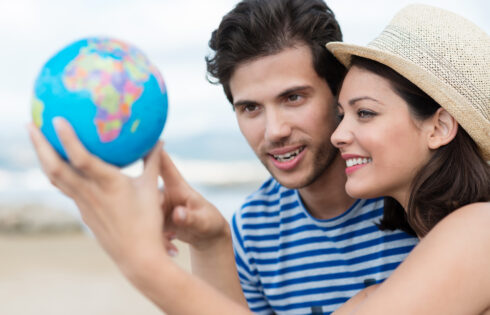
<point x="247" y="273"/>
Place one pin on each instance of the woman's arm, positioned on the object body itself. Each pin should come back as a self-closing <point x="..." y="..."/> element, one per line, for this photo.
<point x="175" y="291"/>
<point x="125" y="215"/>
<point x="354" y="303"/>
<point x="197" y="222"/>
<point x="447" y="273"/>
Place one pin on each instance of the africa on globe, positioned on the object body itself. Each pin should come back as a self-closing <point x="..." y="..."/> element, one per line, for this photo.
<point x="114" y="98"/>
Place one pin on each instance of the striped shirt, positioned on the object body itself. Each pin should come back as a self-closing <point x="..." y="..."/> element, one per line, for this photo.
<point x="291" y="263"/>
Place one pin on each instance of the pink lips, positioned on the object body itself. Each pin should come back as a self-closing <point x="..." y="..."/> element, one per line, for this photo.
<point x="286" y="165"/>
<point x="352" y="169"/>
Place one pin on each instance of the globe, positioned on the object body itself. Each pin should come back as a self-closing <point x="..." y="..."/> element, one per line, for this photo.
<point x="112" y="95"/>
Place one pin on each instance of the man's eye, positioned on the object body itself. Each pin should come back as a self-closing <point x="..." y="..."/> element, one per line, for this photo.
<point x="249" y="108"/>
<point x="294" y="97"/>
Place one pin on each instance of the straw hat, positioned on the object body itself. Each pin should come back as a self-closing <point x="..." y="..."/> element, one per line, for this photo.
<point x="445" y="55"/>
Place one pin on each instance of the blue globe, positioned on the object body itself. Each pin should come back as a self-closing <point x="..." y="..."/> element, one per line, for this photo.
<point x="111" y="94"/>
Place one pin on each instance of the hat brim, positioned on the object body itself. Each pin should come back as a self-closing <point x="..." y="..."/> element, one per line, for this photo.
<point x="467" y="116"/>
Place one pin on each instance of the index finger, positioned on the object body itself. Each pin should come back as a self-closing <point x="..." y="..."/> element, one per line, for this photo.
<point x="169" y="172"/>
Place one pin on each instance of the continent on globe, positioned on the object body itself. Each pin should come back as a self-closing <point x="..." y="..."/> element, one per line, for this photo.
<point x="109" y="91"/>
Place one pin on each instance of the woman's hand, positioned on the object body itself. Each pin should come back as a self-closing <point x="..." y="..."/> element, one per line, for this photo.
<point x="123" y="212"/>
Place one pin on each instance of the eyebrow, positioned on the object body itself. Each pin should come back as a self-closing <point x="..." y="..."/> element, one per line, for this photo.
<point x="244" y="102"/>
<point x="280" y="95"/>
<point x="362" y="98"/>
<point x="358" y="99"/>
<point x="293" y="89"/>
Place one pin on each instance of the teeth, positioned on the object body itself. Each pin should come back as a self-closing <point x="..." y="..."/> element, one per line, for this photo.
<point x="288" y="156"/>
<point x="357" y="161"/>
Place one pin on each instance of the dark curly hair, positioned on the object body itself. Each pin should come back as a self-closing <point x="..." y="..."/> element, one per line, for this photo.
<point x="258" y="28"/>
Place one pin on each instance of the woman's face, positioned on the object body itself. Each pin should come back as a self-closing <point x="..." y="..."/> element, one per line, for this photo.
<point x="383" y="145"/>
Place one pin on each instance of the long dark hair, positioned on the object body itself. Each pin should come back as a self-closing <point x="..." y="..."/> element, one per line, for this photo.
<point x="258" y="28"/>
<point x="456" y="174"/>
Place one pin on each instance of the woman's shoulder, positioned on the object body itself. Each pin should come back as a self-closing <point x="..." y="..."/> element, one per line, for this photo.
<point x="469" y="217"/>
<point x="469" y="224"/>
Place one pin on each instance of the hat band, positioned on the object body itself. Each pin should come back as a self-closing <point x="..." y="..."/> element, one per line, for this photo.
<point x="403" y="44"/>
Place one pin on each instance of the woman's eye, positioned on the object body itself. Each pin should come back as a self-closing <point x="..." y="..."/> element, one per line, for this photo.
<point x="362" y="113"/>
<point x="339" y="114"/>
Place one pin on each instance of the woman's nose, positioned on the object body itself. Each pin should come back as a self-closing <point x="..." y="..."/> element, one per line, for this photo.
<point x="341" y="135"/>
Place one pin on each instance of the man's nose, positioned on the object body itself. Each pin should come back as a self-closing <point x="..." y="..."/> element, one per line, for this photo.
<point x="278" y="127"/>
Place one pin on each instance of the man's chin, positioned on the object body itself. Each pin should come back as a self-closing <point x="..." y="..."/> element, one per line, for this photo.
<point x="292" y="182"/>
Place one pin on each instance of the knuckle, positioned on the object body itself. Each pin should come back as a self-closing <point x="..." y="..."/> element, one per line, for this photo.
<point x="80" y="162"/>
<point x="52" y="181"/>
<point x="54" y="171"/>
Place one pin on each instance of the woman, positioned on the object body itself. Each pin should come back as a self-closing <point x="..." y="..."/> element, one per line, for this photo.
<point x="414" y="125"/>
<point x="423" y="144"/>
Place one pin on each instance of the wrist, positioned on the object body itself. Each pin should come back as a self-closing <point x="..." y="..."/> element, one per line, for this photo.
<point x="142" y="264"/>
<point x="220" y="240"/>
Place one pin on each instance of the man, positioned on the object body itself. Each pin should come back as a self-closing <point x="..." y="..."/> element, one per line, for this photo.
<point x="301" y="244"/>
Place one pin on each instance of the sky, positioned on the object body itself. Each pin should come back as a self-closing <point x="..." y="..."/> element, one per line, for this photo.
<point x="173" y="34"/>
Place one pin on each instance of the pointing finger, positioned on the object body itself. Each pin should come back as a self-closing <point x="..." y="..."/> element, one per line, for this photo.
<point x="152" y="166"/>
<point x="170" y="174"/>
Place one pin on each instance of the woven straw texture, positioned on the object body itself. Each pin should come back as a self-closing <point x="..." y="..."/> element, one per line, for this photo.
<point x="445" y="55"/>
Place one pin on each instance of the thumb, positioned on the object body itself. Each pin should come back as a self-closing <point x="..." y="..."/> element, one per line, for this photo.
<point x="181" y="216"/>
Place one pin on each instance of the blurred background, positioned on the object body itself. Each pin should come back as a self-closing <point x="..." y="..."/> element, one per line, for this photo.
<point x="201" y="133"/>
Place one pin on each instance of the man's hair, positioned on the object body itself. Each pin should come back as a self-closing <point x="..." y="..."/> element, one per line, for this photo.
<point x="456" y="174"/>
<point x="259" y="28"/>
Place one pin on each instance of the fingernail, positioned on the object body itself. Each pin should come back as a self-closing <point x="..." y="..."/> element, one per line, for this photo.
<point x="172" y="252"/>
<point x="57" y="122"/>
<point x="181" y="213"/>
<point x="29" y="128"/>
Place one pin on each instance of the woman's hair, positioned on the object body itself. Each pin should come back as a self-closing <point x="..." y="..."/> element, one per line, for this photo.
<point x="456" y="174"/>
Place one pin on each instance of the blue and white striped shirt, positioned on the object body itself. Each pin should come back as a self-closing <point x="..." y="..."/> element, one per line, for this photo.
<point x="291" y="263"/>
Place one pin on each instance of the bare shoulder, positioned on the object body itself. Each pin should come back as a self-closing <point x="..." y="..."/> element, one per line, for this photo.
<point x="450" y="264"/>
<point x="474" y="219"/>
<point x="465" y="233"/>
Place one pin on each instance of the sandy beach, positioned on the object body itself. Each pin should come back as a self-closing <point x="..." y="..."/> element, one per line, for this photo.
<point x="66" y="273"/>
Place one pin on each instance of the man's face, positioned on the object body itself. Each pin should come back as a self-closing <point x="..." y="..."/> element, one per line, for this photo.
<point x="286" y="113"/>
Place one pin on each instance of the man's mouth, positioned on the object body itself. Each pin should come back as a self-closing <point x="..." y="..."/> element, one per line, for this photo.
<point x="288" y="156"/>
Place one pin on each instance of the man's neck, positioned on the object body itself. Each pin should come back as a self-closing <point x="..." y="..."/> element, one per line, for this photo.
<point x="326" y="197"/>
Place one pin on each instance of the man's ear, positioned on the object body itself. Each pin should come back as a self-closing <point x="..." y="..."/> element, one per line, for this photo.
<point x="443" y="129"/>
